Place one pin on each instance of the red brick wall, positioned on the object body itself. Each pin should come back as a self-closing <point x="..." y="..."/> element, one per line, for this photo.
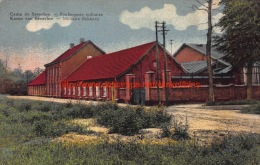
<point x="146" y="64"/>
<point x="53" y="80"/>
<point x="222" y="93"/>
<point x="188" y="55"/>
<point x="37" y="90"/>
<point x="59" y="71"/>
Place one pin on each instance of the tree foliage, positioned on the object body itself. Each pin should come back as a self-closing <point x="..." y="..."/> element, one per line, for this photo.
<point x="15" y="81"/>
<point x="240" y="40"/>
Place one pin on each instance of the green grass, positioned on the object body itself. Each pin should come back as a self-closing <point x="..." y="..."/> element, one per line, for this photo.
<point x="27" y="129"/>
<point x="252" y="109"/>
<point x="237" y="150"/>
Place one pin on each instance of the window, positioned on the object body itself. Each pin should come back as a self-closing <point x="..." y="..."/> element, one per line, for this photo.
<point x="74" y="90"/>
<point x="104" y="91"/>
<point x="79" y="91"/>
<point x="90" y="91"/>
<point x="97" y="91"/>
<point x="65" y="92"/>
<point x="69" y="91"/>
<point x="84" y="91"/>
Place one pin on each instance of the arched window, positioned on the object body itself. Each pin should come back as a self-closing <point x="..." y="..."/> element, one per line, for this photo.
<point x="104" y="91"/>
<point x="84" y="91"/>
<point x="97" y="91"/>
<point x="65" y="91"/>
<point x="74" y="90"/>
<point x="79" y="94"/>
<point x="90" y="91"/>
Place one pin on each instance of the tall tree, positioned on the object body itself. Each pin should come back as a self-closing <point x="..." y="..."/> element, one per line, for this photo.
<point x="240" y="40"/>
<point x="207" y="7"/>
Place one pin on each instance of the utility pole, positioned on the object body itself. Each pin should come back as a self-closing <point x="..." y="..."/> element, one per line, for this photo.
<point x="157" y="63"/>
<point x="164" y="31"/>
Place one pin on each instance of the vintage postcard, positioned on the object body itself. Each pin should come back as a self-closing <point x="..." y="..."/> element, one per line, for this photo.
<point x="129" y="82"/>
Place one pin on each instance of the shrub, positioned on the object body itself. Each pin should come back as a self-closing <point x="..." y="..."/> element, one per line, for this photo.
<point x="99" y="108"/>
<point x="80" y="111"/>
<point x="129" y="121"/>
<point x="10" y="102"/>
<point x="54" y="129"/>
<point x="45" y="107"/>
<point x="179" y="131"/>
<point x="126" y="123"/>
<point x="33" y="116"/>
<point x="69" y="104"/>
<point x="24" y="106"/>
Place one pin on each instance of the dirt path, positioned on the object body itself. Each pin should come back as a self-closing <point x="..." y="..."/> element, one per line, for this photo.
<point x="58" y="100"/>
<point x="207" y="122"/>
<point x="200" y="118"/>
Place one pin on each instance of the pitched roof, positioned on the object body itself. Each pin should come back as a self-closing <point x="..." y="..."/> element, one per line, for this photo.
<point x="194" y="66"/>
<point x="109" y="65"/>
<point x="223" y="71"/>
<point x="202" y="48"/>
<point x="72" y="51"/>
<point x="39" y="80"/>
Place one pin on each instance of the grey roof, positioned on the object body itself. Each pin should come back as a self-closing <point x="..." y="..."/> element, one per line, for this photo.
<point x="257" y="64"/>
<point x="199" y="66"/>
<point x="194" y="67"/>
<point x="202" y="48"/>
<point x="223" y="71"/>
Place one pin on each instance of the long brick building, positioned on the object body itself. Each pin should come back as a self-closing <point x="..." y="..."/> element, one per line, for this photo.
<point x="136" y="75"/>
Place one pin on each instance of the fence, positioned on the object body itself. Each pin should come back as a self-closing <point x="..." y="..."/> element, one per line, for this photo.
<point x="200" y="94"/>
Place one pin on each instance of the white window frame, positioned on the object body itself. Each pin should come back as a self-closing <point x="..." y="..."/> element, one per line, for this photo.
<point x="84" y="91"/>
<point x="69" y="93"/>
<point x="97" y="91"/>
<point x="104" y="91"/>
<point x="90" y="91"/>
<point x="74" y="91"/>
<point x="79" y="91"/>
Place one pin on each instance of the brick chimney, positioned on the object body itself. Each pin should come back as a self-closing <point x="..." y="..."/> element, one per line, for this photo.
<point x="82" y="40"/>
<point x="72" y="45"/>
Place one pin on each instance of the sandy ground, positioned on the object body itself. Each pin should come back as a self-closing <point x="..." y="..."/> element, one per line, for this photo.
<point x="204" y="122"/>
<point x="204" y="118"/>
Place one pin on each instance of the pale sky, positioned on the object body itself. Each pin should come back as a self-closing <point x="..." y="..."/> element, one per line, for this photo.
<point x="120" y="24"/>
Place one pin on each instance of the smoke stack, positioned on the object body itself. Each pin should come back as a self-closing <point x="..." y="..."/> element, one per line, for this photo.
<point x="71" y="45"/>
<point x="82" y="40"/>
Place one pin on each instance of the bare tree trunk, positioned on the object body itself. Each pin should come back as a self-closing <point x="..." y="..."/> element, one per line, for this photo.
<point x="249" y="81"/>
<point x="208" y="52"/>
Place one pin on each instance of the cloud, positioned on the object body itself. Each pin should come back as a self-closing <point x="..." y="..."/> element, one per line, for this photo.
<point x="36" y="25"/>
<point x="146" y="17"/>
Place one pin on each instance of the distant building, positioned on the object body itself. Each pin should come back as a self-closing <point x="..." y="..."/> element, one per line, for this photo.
<point x="61" y="67"/>
<point x="193" y="60"/>
<point x="37" y="87"/>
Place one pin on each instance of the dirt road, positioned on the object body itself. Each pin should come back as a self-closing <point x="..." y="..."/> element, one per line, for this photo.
<point x="207" y="122"/>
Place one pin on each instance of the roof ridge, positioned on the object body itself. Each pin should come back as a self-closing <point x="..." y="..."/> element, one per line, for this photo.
<point x="41" y="77"/>
<point x="120" y="51"/>
<point x="59" y="58"/>
<point x="103" y="67"/>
